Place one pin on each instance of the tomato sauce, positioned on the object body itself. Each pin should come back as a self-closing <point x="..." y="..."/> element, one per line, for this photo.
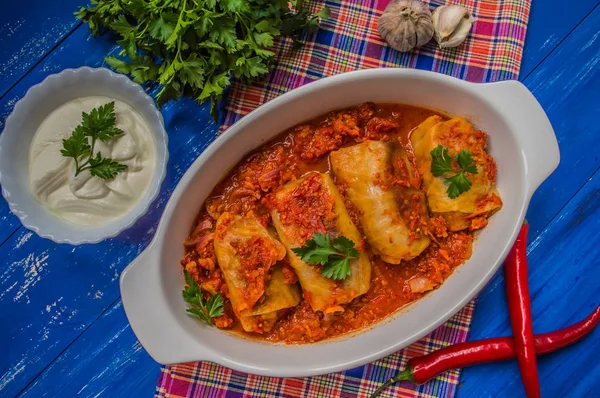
<point x="290" y="155"/>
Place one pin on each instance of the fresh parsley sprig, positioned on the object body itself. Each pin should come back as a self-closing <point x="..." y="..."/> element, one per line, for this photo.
<point x="334" y="255"/>
<point x="456" y="179"/>
<point x="99" y="124"/>
<point x="195" y="48"/>
<point x="204" y="310"/>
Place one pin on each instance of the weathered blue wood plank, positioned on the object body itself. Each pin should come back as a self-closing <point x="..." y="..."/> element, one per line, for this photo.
<point x="75" y="53"/>
<point x="106" y="360"/>
<point x="563" y="263"/>
<point x="567" y="92"/>
<point x="566" y="84"/>
<point x="550" y="21"/>
<point x="67" y="55"/>
<point x="28" y="30"/>
<point x="78" y="50"/>
<point x="50" y="293"/>
<point x="8" y="222"/>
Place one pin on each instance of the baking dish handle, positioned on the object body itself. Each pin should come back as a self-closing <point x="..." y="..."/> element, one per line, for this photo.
<point x="535" y="135"/>
<point x="146" y="305"/>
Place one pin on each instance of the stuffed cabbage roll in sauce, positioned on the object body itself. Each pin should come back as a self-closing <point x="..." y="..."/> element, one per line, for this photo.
<point x="471" y="208"/>
<point x="310" y="205"/>
<point x="379" y="180"/>
<point x="249" y="257"/>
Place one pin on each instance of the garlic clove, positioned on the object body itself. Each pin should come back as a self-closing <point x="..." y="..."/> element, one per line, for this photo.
<point x="458" y="36"/>
<point x="452" y="24"/>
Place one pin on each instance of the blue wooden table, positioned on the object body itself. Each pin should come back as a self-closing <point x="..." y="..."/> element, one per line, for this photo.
<point x="63" y="331"/>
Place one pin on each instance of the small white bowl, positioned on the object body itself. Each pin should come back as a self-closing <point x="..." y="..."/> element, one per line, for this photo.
<point x="22" y="124"/>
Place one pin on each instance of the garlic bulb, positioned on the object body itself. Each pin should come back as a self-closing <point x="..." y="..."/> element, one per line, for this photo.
<point x="406" y="24"/>
<point x="452" y="25"/>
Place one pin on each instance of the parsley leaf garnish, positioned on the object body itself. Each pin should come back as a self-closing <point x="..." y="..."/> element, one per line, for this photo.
<point x="334" y="255"/>
<point x="76" y="145"/>
<point x="195" y="48"/>
<point x="105" y="168"/>
<point x="455" y="179"/>
<point x="204" y="310"/>
<point x="99" y="124"/>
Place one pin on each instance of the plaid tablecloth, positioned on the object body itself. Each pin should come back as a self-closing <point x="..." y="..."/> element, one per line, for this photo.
<point x="347" y="41"/>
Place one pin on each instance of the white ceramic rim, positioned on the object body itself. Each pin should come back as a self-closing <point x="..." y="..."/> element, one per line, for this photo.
<point x="537" y="167"/>
<point x="144" y="104"/>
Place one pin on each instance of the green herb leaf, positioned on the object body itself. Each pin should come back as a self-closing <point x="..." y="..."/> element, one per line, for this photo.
<point x="324" y="13"/>
<point x="200" y="313"/>
<point x="161" y="28"/>
<point x="142" y="69"/>
<point x="338" y="268"/>
<point x="223" y="32"/>
<point x="214" y="306"/>
<point x="204" y="310"/>
<point x="255" y="67"/>
<point x="76" y="145"/>
<point x="118" y="64"/>
<point x="263" y="39"/>
<point x="441" y="161"/>
<point x="109" y="133"/>
<point x="456" y="179"/>
<point x="234" y="6"/>
<point x="99" y="124"/>
<point x="214" y="87"/>
<point x="99" y="120"/>
<point x="465" y="161"/>
<point x="192" y="292"/>
<point x="105" y="168"/>
<point x="322" y="240"/>
<point x="192" y="72"/>
<point x="266" y="26"/>
<point x="345" y="245"/>
<point x="457" y="185"/>
<point x="334" y="255"/>
<point x="122" y="27"/>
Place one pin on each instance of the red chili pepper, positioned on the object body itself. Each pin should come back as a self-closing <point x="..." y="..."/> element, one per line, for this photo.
<point x="422" y="369"/>
<point x="519" y="308"/>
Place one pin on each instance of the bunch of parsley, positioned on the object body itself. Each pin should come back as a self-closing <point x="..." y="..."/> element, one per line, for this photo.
<point x="194" y="47"/>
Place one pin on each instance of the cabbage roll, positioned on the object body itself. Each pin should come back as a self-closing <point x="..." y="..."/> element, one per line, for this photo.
<point x="471" y="208"/>
<point x="248" y="255"/>
<point x="378" y="179"/>
<point x="278" y="296"/>
<point x="304" y="207"/>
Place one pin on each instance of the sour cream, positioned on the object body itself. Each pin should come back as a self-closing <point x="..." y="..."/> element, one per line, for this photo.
<point x="84" y="199"/>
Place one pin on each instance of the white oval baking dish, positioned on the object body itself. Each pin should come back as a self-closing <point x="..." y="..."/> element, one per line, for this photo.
<point x="521" y="140"/>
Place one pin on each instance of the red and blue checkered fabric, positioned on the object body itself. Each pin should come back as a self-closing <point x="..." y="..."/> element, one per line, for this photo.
<point x="347" y="41"/>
